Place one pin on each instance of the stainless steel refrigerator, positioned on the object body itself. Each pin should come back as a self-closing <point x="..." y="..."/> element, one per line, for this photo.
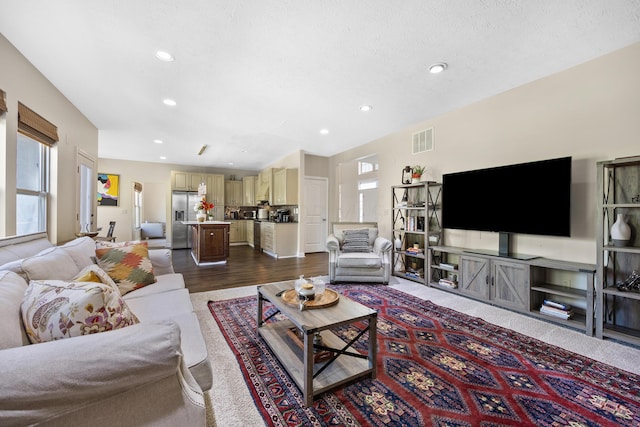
<point x="182" y="203"/>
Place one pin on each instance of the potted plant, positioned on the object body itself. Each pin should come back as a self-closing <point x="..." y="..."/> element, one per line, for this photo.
<point x="417" y="174"/>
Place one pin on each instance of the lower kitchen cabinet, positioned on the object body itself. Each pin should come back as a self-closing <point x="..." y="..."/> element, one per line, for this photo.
<point x="210" y="242"/>
<point x="279" y="239"/>
<point x="238" y="231"/>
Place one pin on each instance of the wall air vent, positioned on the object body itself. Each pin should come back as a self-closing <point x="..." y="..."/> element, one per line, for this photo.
<point x="422" y="141"/>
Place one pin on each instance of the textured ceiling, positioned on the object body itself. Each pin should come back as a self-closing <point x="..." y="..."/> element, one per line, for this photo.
<point x="256" y="80"/>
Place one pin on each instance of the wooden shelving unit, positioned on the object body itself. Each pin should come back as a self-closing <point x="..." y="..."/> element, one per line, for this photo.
<point x="618" y="312"/>
<point x="416" y="226"/>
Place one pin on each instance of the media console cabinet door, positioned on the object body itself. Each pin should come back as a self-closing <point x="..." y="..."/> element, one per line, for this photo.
<point x="510" y="284"/>
<point x="474" y="277"/>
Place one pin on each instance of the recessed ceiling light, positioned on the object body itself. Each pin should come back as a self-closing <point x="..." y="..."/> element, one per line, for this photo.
<point x="438" y="68"/>
<point x="230" y="163"/>
<point x="163" y="158"/>
<point x="324" y="131"/>
<point x="169" y="102"/>
<point x="164" y="56"/>
<point x="366" y="108"/>
<point x="157" y="141"/>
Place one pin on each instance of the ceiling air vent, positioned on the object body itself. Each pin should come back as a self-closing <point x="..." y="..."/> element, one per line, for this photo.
<point x="422" y="141"/>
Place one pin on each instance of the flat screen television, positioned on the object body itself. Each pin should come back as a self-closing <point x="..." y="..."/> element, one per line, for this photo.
<point x="526" y="198"/>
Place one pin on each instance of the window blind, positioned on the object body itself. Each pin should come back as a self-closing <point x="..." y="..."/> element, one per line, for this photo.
<point x="35" y="126"/>
<point x="3" y="103"/>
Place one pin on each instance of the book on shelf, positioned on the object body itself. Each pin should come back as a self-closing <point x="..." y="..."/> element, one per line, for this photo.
<point x="556" y="304"/>
<point x="556" y="312"/>
<point x="448" y="283"/>
<point x="414" y="250"/>
<point x="413" y="274"/>
<point x="448" y="266"/>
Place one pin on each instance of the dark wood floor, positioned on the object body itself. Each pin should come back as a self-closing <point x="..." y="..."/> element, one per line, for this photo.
<point x="246" y="266"/>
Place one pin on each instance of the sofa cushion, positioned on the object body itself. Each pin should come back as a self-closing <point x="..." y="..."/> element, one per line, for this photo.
<point x="359" y="260"/>
<point x="18" y="247"/>
<point x="53" y="263"/>
<point x="56" y="309"/>
<point x="176" y="306"/>
<point x="164" y="283"/>
<point x="128" y="265"/>
<point x="356" y="240"/>
<point x="16" y="267"/>
<point x="82" y="250"/>
<point x="12" y="287"/>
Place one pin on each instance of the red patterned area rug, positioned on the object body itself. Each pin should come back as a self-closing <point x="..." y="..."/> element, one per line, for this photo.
<point x="437" y="367"/>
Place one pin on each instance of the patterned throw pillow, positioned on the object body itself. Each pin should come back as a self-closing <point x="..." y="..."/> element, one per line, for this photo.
<point x="356" y="240"/>
<point x="128" y="265"/>
<point x="93" y="273"/>
<point x="56" y="309"/>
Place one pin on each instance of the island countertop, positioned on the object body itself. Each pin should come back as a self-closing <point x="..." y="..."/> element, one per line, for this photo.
<point x="205" y="222"/>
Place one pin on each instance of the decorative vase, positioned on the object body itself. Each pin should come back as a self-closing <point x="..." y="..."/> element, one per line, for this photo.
<point x="415" y="179"/>
<point x="201" y="216"/>
<point x="398" y="243"/>
<point x="620" y="232"/>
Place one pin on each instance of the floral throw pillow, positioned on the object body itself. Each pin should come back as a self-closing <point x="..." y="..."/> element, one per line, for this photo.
<point x="128" y="265"/>
<point x="56" y="309"/>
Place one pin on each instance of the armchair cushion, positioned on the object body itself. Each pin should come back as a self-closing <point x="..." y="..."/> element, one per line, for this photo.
<point x="359" y="260"/>
<point x="356" y="240"/>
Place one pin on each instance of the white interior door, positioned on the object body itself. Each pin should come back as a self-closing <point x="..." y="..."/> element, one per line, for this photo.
<point x="315" y="212"/>
<point x="85" y="183"/>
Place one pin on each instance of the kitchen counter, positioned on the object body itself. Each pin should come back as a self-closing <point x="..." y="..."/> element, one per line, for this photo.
<point x="204" y="222"/>
<point x="210" y="241"/>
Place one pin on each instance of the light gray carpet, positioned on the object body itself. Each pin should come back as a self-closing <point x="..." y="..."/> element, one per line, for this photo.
<point x="231" y="403"/>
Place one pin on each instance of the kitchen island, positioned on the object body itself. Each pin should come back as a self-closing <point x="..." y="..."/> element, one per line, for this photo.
<point x="210" y="241"/>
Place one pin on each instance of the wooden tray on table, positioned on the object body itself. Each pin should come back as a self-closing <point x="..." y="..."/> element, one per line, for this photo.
<point x="328" y="298"/>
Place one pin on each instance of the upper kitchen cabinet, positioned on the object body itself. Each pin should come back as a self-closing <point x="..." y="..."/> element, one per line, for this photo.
<point x="249" y="190"/>
<point x="285" y="187"/>
<point x="233" y="193"/>
<point x="186" y="181"/>
<point x="265" y="186"/>
<point x="215" y="194"/>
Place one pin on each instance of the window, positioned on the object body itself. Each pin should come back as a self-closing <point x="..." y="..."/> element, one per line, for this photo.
<point x="369" y="164"/>
<point x="32" y="185"/>
<point x="36" y="136"/>
<point x="137" y="204"/>
<point x="358" y="189"/>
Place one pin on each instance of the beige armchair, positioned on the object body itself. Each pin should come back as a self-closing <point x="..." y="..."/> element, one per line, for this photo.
<point x="358" y="254"/>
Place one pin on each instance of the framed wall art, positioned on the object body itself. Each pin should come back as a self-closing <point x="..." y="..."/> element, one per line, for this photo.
<point x="108" y="189"/>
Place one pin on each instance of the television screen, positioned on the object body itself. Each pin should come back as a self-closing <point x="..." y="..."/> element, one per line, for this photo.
<point x="527" y="198"/>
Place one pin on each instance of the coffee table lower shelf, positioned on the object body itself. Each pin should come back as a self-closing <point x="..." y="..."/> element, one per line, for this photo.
<point x="343" y="370"/>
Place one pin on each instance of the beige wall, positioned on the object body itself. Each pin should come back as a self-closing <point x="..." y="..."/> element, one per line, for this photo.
<point x="23" y="83"/>
<point x="316" y="166"/>
<point x="590" y="112"/>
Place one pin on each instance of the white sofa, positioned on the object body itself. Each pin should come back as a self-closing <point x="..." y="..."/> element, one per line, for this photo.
<point x="151" y="373"/>
<point x="369" y="261"/>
